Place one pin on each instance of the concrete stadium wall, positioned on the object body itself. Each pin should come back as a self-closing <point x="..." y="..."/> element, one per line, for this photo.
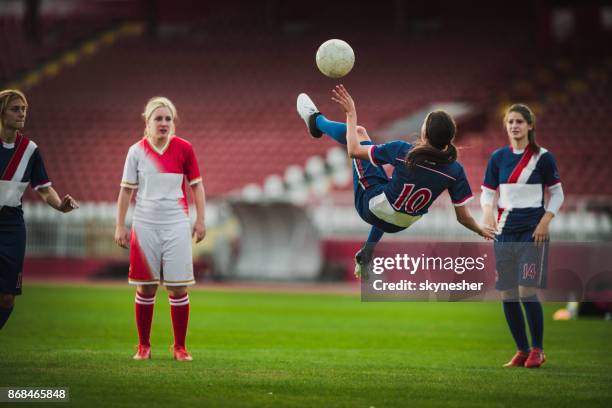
<point x="277" y="241"/>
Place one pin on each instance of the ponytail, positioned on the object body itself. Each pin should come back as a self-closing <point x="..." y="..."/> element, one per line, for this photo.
<point x="533" y="145"/>
<point x="423" y="154"/>
<point x="440" y="129"/>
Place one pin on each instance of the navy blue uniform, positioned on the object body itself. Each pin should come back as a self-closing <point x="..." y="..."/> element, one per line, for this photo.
<point x="521" y="177"/>
<point x="394" y="204"/>
<point x="20" y="165"/>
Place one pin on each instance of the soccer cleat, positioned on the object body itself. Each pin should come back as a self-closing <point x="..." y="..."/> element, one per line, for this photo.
<point x="363" y="262"/>
<point x="181" y="354"/>
<point x="143" y="352"/>
<point x="536" y="358"/>
<point x="309" y="112"/>
<point x="518" y="360"/>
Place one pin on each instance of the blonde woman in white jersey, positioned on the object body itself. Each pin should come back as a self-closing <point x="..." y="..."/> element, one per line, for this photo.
<point x="160" y="239"/>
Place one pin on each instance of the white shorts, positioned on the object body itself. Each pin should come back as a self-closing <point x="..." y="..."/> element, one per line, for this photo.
<point x="161" y="253"/>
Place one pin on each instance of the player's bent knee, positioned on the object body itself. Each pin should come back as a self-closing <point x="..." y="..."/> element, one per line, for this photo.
<point x="7" y="300"/>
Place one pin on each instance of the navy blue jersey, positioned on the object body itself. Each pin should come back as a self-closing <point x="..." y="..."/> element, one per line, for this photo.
<point x="20" y="164"/>
<point x="413" y="191"/>
<point x="520" y="177"/>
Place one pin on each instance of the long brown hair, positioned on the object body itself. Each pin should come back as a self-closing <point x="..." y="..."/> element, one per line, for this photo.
<point x="440" y="129"/>
<point x="530" y="118"/>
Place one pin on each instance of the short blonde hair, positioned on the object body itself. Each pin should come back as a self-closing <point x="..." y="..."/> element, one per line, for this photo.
<point x="159" y="102"/>
<point x="6" y="96"/>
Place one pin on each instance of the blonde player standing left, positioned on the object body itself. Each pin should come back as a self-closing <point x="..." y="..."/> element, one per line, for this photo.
<point x="160" y="240"/>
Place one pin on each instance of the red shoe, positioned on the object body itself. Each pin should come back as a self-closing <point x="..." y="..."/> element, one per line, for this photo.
<point x="536" y="358"/>
<point x="143" y="352"/>
<point x="181" y="354"/>
<point x="518" y="360"/>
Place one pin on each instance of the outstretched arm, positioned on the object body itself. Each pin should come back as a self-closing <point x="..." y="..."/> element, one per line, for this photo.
<point x="465" y="218"/>
<point x="353" y="137"/>
<point x="50" y="196"/>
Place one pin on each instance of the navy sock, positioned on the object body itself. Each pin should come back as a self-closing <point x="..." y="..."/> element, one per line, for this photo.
<point x="4" y="315"/>
<point x="535" y="319"/>
<point x="374" y="236"/>
<point x="516" y="323"/>
<point x="335" y="130"/>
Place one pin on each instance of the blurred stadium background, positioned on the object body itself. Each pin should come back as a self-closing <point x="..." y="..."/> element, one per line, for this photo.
<point x="280" y="204"/>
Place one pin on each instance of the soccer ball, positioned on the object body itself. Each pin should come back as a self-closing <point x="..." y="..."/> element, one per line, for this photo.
<point x="335" y="58"/>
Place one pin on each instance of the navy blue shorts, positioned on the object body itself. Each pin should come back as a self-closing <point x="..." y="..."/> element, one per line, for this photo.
<point x="520" y="262"/>
<point x="12" y="252"/>
<point x="369" y="181"/>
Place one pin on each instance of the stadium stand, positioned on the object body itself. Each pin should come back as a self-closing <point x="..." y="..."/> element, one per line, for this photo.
<point x="235" y="100"/>
<point x="21" y="54"/>
<point x="235" y="87"/>
<point x="572" y="103"/>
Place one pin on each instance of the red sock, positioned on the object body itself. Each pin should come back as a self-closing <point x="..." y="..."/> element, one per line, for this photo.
<point x="144" y="317"/>
<point x="179" y="309"/>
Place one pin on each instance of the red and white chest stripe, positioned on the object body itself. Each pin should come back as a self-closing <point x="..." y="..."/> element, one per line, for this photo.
<point x="516" y="193"/>
<point x="525" y="167"/>
<point x="24" y="149"/>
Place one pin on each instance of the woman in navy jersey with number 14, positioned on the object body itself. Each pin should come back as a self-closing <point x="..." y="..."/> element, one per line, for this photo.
<point x="521" y="172"/>
<point x="421" y="172"/>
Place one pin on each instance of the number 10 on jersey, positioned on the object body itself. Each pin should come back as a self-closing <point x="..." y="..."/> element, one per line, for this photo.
<point x="411" y="201"/>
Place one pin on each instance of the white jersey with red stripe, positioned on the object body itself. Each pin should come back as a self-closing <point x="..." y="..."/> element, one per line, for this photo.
<point x="520" y="176"/>
<point x="159" y="175"/>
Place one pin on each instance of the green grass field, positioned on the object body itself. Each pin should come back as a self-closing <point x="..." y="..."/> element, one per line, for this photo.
<point x="298" y="350"/>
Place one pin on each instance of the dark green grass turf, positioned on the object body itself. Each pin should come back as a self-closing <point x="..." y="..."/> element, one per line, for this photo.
<point x="273" y="349"/>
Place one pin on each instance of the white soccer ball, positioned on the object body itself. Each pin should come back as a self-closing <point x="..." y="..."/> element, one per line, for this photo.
<point x="335" y="58"/>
